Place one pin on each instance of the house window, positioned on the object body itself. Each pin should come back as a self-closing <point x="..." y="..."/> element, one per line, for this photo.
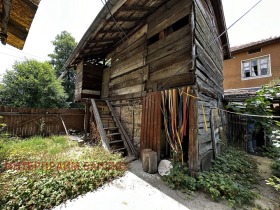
<point x="256" y="67"/>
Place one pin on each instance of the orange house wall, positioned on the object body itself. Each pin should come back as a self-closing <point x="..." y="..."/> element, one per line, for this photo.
<point x="232" y="68"/>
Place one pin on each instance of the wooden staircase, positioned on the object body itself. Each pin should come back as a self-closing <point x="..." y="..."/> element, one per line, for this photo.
<point x="113" y="136"/>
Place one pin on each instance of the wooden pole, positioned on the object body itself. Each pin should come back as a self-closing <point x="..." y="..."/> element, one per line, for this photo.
<point x="64" y="126"/>
<point x="193" y="128"/>
<point x="86" y="120"/>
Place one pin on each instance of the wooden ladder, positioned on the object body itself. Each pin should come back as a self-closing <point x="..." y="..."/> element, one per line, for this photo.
<point x="113" y="136"/>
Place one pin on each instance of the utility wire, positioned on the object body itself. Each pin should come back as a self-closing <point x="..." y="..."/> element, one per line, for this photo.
<point x="22" y="52"/>
<point x="12" y="55"/>
<point x="207" y="47"/>
<point x="215" y="39"/>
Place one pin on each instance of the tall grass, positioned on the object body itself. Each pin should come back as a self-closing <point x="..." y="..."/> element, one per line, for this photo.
<point x="34" y="148"/>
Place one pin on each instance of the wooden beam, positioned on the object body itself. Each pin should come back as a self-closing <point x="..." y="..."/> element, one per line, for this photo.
<point x="113" y="30"/>
<point x="213" y="128"/>
<point x="92" y="92"/>
<point x="64" y="126"/>
<point x="5" y="16"/>
<point x="86" y="119"/>
<point x="31" y="4"/>
<point x="193" y="130"/>
<point x="124" y="19"/>
<point x="16" y="29"/>
<point x="105" y="40"/>
<point x="100" y="126"/>
<point x="137" y="8"/>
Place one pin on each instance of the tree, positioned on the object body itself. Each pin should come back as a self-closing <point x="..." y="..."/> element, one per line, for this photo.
<point x="32" y="84"/>
<point x="261" y="104"/>
<point x="64" y="44"/>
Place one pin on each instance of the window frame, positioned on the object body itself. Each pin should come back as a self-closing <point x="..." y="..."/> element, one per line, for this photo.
<point x="258" y="61"/>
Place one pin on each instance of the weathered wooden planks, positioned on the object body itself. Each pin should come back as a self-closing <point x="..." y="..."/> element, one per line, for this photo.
<point x="166" y="15"/>
<point x="169" y="40"/>
<point x="88" y="81"/>
<point x="193" y="143"/>
<point x="25" y="122"/>
<point x="105" y="83"/>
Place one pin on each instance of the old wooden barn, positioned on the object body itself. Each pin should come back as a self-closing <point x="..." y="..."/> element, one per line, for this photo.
<point x="151" y="71"/>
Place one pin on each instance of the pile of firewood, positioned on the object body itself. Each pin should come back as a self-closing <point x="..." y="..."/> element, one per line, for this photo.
<point x="95" y="137"/>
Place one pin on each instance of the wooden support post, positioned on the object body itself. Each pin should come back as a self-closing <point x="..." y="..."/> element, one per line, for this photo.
<point x="64" y="126"/>
<point x="213" y="129"/>
<point x="193" y="141"/>
<point x="86" y="120"/>
<point x="6" y="9"/>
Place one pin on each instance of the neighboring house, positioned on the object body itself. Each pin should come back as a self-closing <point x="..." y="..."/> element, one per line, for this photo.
<point x="252" y="65"/>
<point x="137" y="55"/>
<point x="16" y="20"/>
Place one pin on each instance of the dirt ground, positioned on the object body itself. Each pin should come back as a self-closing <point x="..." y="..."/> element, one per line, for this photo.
<point x="269" y="199"/>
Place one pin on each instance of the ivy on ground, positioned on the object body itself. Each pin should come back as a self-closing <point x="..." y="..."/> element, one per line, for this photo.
<point x="231" y="177"/>
<point x="22" y="187"/>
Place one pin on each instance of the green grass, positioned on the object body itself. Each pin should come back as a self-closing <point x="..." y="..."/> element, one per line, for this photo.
<point x="34" y="148"/>
<point x="44" y="187"/>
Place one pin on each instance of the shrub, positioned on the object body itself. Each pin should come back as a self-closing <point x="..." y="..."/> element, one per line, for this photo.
<point x="274" y="182"/>
<point x="276" y="168"/>
<point x="179" y="179"/>
<point x="221" y="185"/>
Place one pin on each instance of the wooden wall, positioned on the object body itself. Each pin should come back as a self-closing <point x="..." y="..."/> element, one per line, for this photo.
<point x="129" y="113"/>
<point x="127" y="75"/>
<point x="209" y="74"/>
<point x="157" y="56"/>
<point x="88" y="81"/>
<point x="157" y="51"/>
<point x="169" y="46"/>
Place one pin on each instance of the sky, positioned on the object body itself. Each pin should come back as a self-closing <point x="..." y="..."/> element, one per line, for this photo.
<point x="75" y="16"/>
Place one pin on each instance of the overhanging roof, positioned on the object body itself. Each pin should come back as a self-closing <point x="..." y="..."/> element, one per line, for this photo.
<point x="241" y="94"/>
<point x="256" y="44"/>
<point x="103" y="34"/>
<point x="16" y="19"/>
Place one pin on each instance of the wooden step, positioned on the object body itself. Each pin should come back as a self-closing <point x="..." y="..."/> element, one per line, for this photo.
<point x="119" y="149"/>
<point x="112" y="134"/>
<point x="110" y="128"/>
<point x="105" y="113"/>
<point x="106" y="117"/>
<point x="116" y="141"/>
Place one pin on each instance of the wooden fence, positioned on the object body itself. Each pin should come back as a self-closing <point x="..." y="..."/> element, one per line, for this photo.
<point x="236" y="130"/>
<point x="26" y="122"/>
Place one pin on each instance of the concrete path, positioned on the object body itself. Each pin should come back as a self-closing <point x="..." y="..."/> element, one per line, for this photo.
<point x="127" y="192"/>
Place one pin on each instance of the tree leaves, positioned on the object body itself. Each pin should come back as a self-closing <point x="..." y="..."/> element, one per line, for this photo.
<point x="32" y="84"/>
<point x="64" y="44"/>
